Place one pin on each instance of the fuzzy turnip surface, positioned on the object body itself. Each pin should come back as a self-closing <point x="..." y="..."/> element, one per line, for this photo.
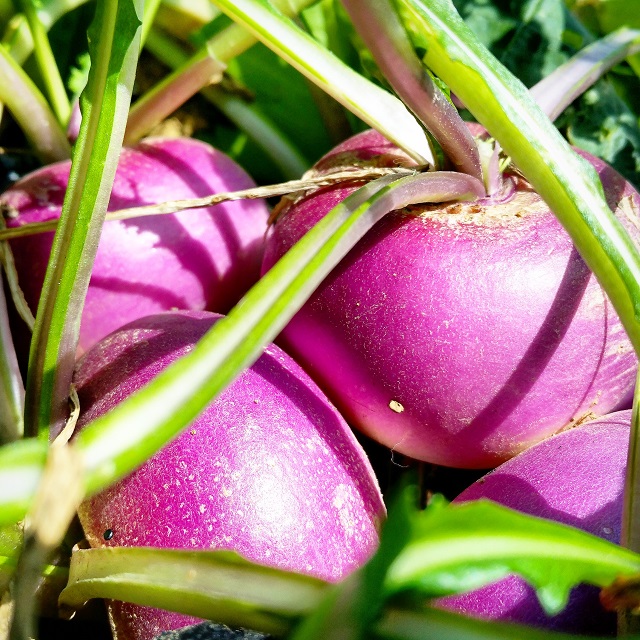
<point x="576" y="478"/>
<point x="461" y="334"/>
<point x="195" y="259"/>
<point x="270" y="469"/>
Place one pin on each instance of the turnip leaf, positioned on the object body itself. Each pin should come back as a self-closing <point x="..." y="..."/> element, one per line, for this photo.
<point x="375" y="106"/>
<point x="114" y="43"/>
<point x="216" y="585"/>
<point x="503" y="105"/>
<point x="461" y="547"/>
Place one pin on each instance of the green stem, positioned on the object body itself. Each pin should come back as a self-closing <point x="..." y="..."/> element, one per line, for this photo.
<point x="256" y="125"/>
<point x="114" y="36"/>
<point x="375" y="106"/>
<point x="31" y="111"/>
<point x="47" y="64"/>
<point x="11" y="387"/>
<point x="191" y="76"/>
<point x="150" y="10"/>
<point x="561" y="87"/>
<point x="18" y="38"/>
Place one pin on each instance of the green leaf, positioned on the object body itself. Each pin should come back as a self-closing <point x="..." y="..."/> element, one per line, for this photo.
<point x="216" y="585"/>
<point x="369" y="102"/>
<point x="464" y="546"/>
<point x="114" y="43"/>
<point x="527" y="36"/>
<point x="567" y="183"/>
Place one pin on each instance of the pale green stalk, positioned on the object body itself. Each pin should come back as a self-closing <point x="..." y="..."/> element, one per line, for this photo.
<point x="256" y="125"/>
<point x="105" y="103"/>
<point x="378" y="108"/>
<point x="561" y="87"/>
<point x="47" y="64"/>
<point x="192" y="75"/>
<point x="31" y="111"/>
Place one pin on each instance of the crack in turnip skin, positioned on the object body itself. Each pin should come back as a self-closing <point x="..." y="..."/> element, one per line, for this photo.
<point x="481" y="320"/>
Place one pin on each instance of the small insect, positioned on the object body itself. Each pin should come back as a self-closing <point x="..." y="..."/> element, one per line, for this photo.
<point x="108" y="534"/>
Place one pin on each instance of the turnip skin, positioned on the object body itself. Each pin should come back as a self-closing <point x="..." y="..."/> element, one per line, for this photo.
<point x="195" y="259"/>
<point x="481" y="326"/>
<point x="270" y="469"/>
<point x="576" y="478"/>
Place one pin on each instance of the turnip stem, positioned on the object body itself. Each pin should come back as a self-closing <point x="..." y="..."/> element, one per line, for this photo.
<point x="47" y="64"/>
<point x="267" y="191"/>
<point x="281" y="150"/>
<point x="560" y="88"/>
<point x="105" y="103"/>
<point x="375" y="106"/>
<point x="31" y="111"/>
<point x="378" y="24"/>
<point x="204" y="67"/>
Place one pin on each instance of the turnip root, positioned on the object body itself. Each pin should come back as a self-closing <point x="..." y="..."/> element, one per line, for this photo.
<point x="576" y="478"/>
<point x="460" y="334"/>
<point x="270" y="469"/>
<point x="195" y="259"/>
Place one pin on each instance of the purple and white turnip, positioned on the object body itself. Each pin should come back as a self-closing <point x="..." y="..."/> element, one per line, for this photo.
<point x="576" y="478"/>
<point x="270" y="469"/>
<point x="195" y="259"/>
<point x="460" y="334"/>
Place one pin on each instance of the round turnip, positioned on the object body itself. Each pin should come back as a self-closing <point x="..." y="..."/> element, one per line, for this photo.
<point x="195" y="259"/>
<point x="460" y="334"/>
<point x="270" y="469"/>
<point x="576" y="478"/>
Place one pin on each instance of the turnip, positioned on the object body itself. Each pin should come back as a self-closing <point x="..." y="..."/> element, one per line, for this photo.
<point x="194" y="259"/>
<point x="460" y="334"/>
<point x="270" y="469"/>
<point x="577" y="478"/>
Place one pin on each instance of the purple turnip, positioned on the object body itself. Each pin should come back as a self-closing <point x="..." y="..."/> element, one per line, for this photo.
<point x="576" y="478"/>
<point x="270" y="469"/>
<point x="460" y="334"/>
<point x="195" y="259"/>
